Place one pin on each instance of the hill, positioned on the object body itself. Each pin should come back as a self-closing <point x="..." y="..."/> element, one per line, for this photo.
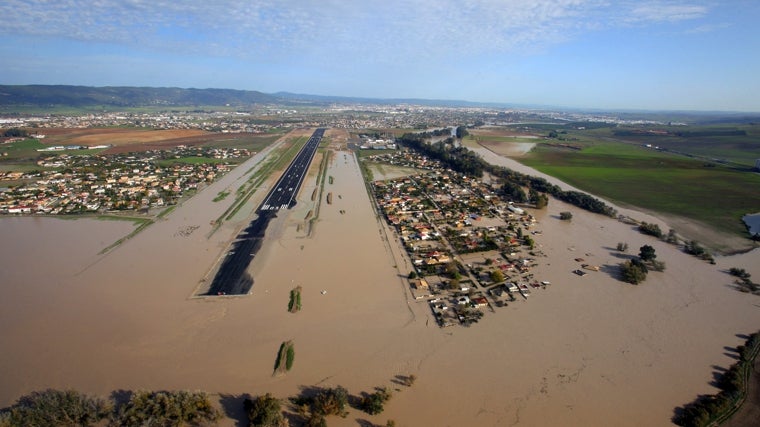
<point x="117" y="96"/>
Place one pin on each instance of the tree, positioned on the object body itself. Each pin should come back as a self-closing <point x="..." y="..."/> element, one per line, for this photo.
<point x="542" y="201"/>
<point x="412" y="274"/>
<point x="264" y="411"/>
<point x="633" y="271"/>
<point x="452" y="270"/>
<point x="647" y="253"/>
<point x="461" y="132"/>
<point x="565" y="216"/>
<point x="497" y="276"/>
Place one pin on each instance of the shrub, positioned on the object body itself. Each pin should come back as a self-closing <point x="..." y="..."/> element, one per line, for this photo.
<point x="56" y="408"/>
<point x="411" y="379"/>
<point x="566" y="216"/>
<point x="622" y="247"/>
<point x="739" y="272"/>
<point x="374" y="403"/>
<point x="650" y="229"/>
<point x="331" y="401"/>
<point x="166" y="408"/>
<point x="633" y="271"/>
<point x="264" y="411"/>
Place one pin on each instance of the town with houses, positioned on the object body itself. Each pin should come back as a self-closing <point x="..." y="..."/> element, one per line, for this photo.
<point x="67" y="184"/>
<point x="471" y="250"/>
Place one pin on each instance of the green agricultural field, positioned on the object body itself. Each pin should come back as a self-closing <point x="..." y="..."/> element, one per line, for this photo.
<point x="253" y="142"/>
<point x="657" y="181"/>
<point x="23" y="149"/>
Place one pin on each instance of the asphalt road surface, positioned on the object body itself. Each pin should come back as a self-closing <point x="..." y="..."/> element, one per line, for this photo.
<point x="232" y="278"/>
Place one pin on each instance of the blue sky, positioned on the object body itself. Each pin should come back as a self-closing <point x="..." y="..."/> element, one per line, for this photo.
<point x="607" y="54"/>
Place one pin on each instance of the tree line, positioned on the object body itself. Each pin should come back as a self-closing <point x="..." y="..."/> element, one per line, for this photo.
<point x="716" y="408"/>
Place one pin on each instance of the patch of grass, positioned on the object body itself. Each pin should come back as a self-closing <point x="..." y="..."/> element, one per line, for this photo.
<point x="26" y="148"/>
<point x="367" y="153"/>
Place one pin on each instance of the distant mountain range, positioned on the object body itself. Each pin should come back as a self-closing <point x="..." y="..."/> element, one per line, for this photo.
<point x="44" y="96"/>
<point x="115" y="96"/>
<point x="15" y="98"/>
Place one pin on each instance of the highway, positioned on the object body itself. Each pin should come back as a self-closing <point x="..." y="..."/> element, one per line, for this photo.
<point x="232" y="277"/>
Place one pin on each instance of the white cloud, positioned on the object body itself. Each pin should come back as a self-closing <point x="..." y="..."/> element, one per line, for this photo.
<point x="659" y="11"/>
<point x="278" y="29"/>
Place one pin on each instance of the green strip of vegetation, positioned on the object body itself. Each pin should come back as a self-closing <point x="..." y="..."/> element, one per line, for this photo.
<point x="294" y="305"/>
<point x="166" y="211"/>
<point x="142" y="223"/>
<point x="285" y="357"/>
<point x="221" y="196"/>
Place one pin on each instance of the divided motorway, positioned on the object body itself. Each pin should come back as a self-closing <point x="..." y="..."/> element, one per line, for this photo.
<point x="232" y="277"/>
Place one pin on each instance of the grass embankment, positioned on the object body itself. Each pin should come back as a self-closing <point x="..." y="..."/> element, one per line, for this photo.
<point x="707" y="192"/>
<point x="317" y="195"/>
<point x="141" y="224"/>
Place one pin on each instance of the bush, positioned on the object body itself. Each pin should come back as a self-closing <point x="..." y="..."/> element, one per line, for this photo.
<point x="566" y="216"/>
<point x="374" y="403"/>
<point x="166" y="408"/>
<point x="331" y="401"/>
<point x="622" y="247"/>
<point x="56" y="408"/>
<point x="739" y="272"/>
<point x="650" y="229"/>
<point x="633" y="271"/>
<point x="264" y="411"/>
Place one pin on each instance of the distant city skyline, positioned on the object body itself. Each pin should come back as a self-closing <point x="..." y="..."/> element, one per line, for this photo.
<point x="648" y="54"/>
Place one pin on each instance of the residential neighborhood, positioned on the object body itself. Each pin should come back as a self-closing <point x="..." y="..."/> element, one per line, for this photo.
<point x="66" y="184"/>
<point x="472" y="250"/>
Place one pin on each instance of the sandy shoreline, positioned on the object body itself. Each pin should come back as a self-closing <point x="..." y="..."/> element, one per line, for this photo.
<point x="585" y="351"/>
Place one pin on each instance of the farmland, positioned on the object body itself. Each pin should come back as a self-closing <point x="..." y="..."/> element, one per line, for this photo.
<point x="629" y="170"/>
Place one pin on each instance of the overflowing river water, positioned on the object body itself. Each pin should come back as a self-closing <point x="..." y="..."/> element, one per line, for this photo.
<point x="753" y="223"/>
